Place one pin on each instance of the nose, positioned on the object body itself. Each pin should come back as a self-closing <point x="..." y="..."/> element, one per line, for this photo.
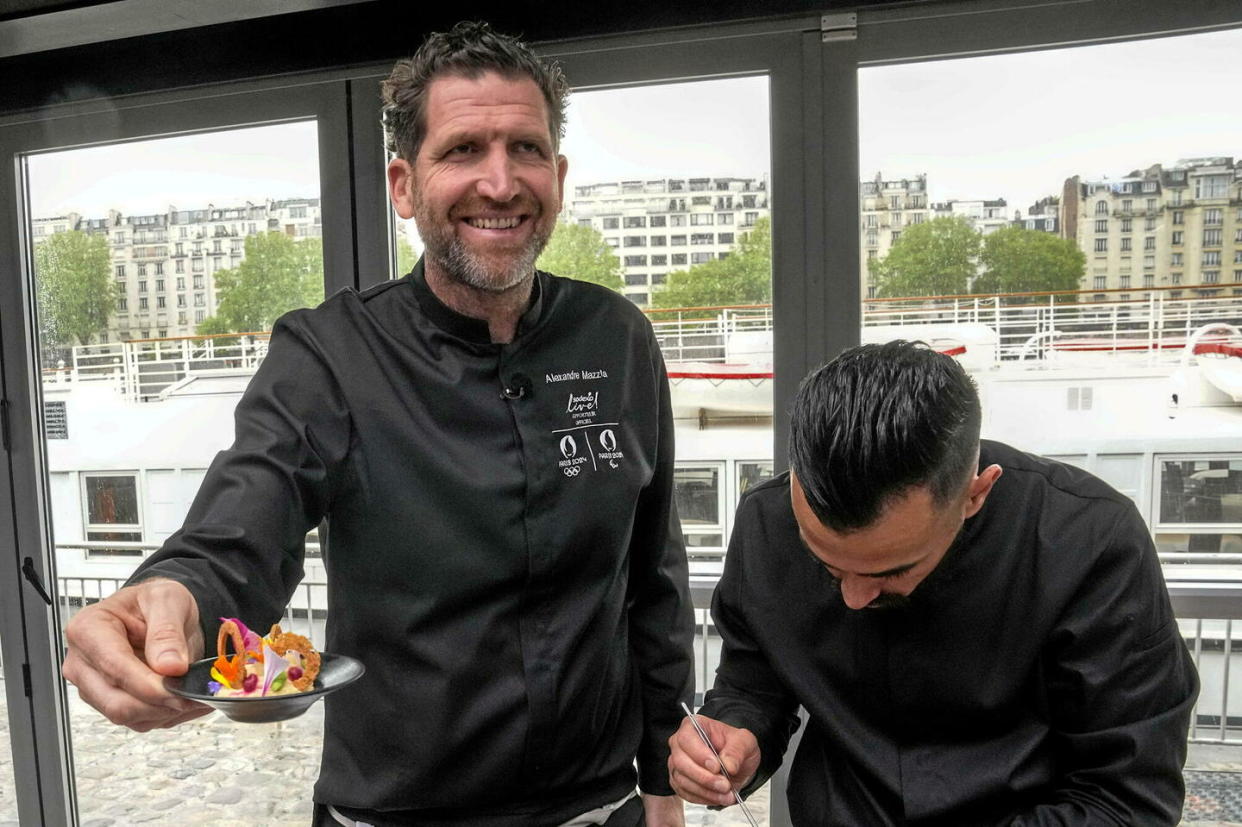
<point x="857" y="592"/>
<point x="496" y="180"/>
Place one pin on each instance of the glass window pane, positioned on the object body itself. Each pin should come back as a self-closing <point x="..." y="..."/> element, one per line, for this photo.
<point x="1201" y="491"/>
<point x="112" y="500"/>
<point x="160" y="266"/>
<point x="698" y="495"/>
<point x="752" y="473"/>
<point x="1066" y="270"/>
<point x="637" y="192"/>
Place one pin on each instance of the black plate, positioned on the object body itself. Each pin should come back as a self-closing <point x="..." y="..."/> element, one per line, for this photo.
<point x="335" y="671"/>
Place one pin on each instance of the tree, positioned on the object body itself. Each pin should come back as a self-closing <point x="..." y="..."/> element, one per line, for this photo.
<point x="1018" y="260"/>
<point x="277" y="275"/>
<point x="406" y="257"/>
<point x="581" y="253"/>
<point x="73" y="273"/>
<point x="936" y="258"/>
<point x="744" y="277"/>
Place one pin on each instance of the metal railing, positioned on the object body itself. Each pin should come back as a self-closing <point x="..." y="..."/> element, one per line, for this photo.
<point x="1028" y="331"/>
<point x="1206" y="610"/>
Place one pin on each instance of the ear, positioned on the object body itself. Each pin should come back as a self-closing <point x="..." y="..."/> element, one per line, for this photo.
<point x="401" y="187"/>
<point x="979" y="488"/>
<point x="562" y="167"/>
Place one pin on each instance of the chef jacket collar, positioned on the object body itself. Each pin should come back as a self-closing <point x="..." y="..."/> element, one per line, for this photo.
<point x="468" y="327"/>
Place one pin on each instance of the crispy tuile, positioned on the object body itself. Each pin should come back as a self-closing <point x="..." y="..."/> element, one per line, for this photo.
<point x="282" y="642"/>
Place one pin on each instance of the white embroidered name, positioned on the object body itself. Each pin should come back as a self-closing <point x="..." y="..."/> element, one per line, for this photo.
<point x="572" y="375"/>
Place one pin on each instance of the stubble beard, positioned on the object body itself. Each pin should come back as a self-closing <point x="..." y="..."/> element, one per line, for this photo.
<point x="461" y="264"/>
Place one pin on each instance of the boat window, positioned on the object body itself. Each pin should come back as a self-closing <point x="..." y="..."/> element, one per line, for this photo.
<point x="112" y="514"/>
<point x="700" y="500"/>
<point x="750" y="474"/>
<point x="1200" y="505"/>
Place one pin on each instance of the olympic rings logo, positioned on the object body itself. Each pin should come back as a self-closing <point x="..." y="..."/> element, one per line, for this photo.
<point x="573" y="471"/>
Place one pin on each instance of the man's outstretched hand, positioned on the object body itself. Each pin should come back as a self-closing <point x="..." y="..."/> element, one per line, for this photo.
<point x="121" y="648"/>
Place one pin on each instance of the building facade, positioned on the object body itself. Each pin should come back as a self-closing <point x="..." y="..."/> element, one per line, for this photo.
<point x="886" y="208"/>
<point x="1043" y="215"/>
<point x="164" y="264"/>
<point x="1173" y="227"/>
<point x="656" y="226"/>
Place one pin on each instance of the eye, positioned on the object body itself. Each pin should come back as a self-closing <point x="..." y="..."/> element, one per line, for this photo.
<point x="461" y="149"/>
<point x="529" y="147"/>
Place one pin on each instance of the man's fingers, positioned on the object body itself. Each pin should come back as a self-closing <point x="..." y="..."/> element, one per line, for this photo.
<point x="693" y="771"/>
<point x="121" y="706"/>
<point x="169" y="610"/>
<point x="106" y="664"/>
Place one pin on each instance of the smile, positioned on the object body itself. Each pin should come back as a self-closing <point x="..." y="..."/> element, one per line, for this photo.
<point x="494" y="223"/>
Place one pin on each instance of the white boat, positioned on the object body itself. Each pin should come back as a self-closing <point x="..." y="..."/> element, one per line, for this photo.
<point x="1128" y="397"/>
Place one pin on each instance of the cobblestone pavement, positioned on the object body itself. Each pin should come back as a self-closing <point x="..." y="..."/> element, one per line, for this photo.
<point x="212" y="771"/>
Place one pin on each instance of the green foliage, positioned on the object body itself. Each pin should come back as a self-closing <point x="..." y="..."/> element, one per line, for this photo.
<point x="1018" y="260"/>
<point x="745" y="277"/>
<point x="407" y="257"/>
<point x="212" y="325"/>
<point x="579" y="252"/>
<point x="73" y="275"/>
<point x="936" y="258"/>
<point x="277" y="275"/>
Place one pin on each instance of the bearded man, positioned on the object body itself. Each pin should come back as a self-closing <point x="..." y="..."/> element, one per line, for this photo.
<point x="508" y="566"/>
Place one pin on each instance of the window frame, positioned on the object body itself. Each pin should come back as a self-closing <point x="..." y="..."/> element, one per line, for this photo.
<point x="720" y="467"/>
<point x="38" y="722"/>
<point x="1159" y="526"/>
<point x="88" y="527"/>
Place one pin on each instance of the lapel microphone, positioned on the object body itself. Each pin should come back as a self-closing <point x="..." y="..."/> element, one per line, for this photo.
<point x="519" y="386"/>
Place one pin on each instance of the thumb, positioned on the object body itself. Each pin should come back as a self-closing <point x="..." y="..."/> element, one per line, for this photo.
<point x="733" y="756"/>
<point x="166" y="649"/>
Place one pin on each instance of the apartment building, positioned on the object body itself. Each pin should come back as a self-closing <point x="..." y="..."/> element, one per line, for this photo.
<point x="1043" y="215"/>
<point x="982" y="215"/>
<point x="887" y="207"/>
<point x="164" y="264"/>
<point x="660" y="225"/>
<point x="1179" y="226"/>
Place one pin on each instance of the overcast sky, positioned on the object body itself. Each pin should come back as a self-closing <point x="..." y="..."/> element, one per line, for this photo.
<point x="1012" y="126"/>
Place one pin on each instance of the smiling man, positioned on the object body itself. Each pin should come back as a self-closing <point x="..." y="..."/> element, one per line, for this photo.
<point x="502" y="548"/>
<point x="978" y="636"/>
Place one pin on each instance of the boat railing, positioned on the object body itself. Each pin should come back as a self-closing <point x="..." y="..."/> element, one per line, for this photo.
<point x="1208" y="607"/>
<point x="1028" y="332"/>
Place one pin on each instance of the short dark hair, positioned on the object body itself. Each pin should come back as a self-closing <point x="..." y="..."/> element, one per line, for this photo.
<point x="877" y="420"/>
<point x="468" y="49"/>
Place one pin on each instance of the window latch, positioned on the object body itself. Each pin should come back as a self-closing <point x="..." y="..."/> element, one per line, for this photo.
<point x="28" y="570"/>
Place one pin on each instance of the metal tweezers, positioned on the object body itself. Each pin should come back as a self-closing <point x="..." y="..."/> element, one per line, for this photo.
<point x="703" y="735"/>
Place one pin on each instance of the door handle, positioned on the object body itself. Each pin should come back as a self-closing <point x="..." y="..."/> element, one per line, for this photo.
<point x="28" y="570"/>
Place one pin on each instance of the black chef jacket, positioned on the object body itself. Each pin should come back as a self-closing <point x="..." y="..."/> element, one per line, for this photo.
<point x="1037" y="677"/>
<point x="509" y="568"/>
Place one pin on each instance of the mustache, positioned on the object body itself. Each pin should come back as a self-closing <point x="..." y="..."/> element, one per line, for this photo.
<point x="522" y="202"/>
<point x="883" y="601"/>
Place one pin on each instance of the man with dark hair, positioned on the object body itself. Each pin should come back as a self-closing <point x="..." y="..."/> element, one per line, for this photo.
<point x="978" y="636"/>
<point x="509" y="567"/>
